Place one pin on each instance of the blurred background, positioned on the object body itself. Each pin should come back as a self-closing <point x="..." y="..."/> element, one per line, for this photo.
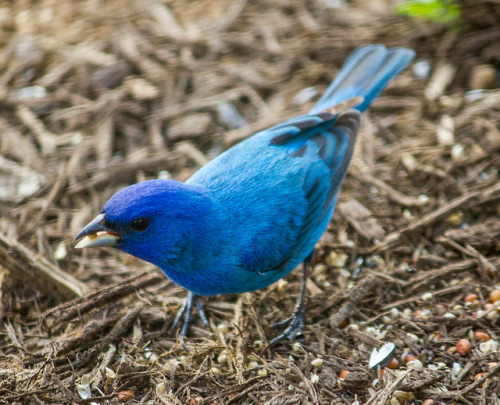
<point x="96" y="95"/>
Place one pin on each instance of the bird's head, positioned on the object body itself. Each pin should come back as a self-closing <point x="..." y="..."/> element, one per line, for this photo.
<point x="153" y="220"/>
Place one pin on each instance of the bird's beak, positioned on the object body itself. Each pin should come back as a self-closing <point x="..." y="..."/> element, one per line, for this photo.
<point x="96" y="234"/>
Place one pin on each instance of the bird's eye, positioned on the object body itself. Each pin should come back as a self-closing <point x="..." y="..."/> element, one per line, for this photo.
<point x="140" y="224"/>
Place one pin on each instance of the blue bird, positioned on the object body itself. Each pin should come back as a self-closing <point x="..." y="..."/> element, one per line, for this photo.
<point x="253" y="214"/>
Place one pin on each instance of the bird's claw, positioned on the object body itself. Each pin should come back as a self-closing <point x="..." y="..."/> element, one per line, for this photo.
<point x="294" y="326"/>
<point x="186" y="311"/>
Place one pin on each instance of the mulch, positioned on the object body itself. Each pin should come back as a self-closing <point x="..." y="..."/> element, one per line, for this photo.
<point x="99" y="95"/>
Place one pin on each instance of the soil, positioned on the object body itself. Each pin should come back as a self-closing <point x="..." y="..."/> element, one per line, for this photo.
<point x="97" y="95"/>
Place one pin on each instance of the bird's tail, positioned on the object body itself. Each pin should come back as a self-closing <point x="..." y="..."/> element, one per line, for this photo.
<point x="366" y="72"/>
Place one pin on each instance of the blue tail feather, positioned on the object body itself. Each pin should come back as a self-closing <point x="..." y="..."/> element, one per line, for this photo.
<point x="366" y="72"/>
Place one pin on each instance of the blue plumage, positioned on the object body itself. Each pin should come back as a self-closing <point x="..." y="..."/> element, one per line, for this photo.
<point x="250" y="216"/>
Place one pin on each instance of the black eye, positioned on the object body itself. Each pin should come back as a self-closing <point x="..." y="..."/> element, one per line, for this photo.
<point x="140" y="224"/>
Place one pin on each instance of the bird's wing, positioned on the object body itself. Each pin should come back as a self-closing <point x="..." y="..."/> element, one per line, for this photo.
<point x="279" y="187"/>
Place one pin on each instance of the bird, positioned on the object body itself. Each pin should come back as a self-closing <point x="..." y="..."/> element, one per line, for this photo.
<point x="254" y="213"/>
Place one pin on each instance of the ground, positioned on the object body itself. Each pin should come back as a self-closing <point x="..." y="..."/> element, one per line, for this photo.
<point x="97" y="95"/>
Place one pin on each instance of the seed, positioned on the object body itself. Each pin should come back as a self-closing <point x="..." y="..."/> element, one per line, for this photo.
<point x="463" y="347"/>
<point x="343" y="374"/>
<point x="262" y="372"/>
<point x="342" y="324"/>
<point x="253" y="364"/>
<point x="317" y="362"/>
<point x="393" y="364"/>
<point x="495" y="296"/>
<point x="428" y="402"/>
<point x="489" y="346"/>
<point x="126" y="395"/>
<point x="426" y="296"/>
<point x="314" y="378"/>
<point x="481" y="336"/>
<point x="478" y="376"/>
<point x="470" y="298"/>
<point x="223" y="328"/>
<point x="404" y="395"/>
<point x="409" y="357"/>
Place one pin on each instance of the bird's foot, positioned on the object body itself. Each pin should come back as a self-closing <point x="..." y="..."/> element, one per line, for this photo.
<point x="293" y="325"/>
<point x="186" y="311"/>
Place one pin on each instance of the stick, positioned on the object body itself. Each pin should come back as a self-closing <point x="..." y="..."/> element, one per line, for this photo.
<point x="28" y="267"/>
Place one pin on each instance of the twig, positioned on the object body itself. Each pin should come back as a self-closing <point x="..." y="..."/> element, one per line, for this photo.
<point x="469" y="200"/>
<point x="26" y="266"/>
<point x="69" y="310"/>
<point x="352" y="305"/>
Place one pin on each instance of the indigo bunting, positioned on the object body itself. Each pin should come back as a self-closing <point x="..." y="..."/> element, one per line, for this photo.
<point x="250" y="216"/>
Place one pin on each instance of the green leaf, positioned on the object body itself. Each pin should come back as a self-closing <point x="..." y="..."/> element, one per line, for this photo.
<point x="440" y="11"/>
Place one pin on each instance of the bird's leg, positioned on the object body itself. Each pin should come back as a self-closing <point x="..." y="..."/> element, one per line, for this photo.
<point x="295" y="323"/>
<point x="186" y="310"/>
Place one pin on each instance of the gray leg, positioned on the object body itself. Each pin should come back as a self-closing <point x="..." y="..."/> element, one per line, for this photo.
<point x="187" y="310"/>
<point x="295" y="323"/>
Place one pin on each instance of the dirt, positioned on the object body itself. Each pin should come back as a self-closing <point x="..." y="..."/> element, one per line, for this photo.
<point x="98" y="95"/>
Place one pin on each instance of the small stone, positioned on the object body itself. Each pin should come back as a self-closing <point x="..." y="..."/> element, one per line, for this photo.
<point x="262" y="372"/>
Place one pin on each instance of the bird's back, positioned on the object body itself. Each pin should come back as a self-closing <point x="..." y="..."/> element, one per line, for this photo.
<point x="278" y="188"/>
